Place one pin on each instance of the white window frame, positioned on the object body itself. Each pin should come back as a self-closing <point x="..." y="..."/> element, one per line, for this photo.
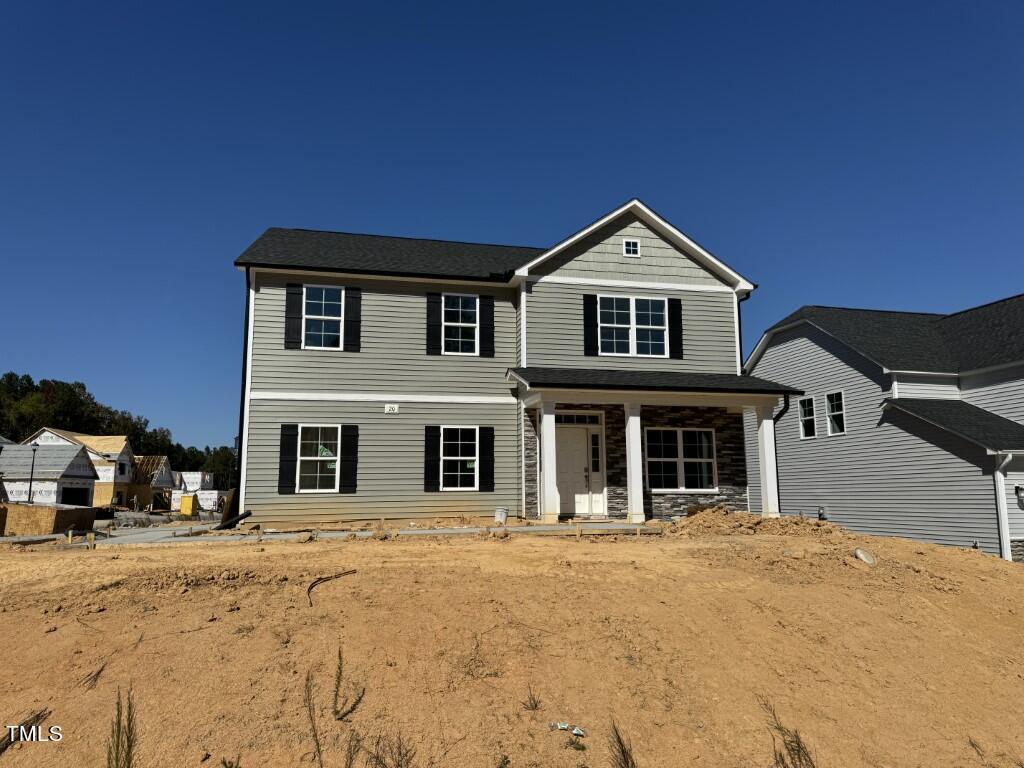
<point x="633" y="327"/>
<point x="476" y="457"/>
<point x="625" y="251"/>
<point x="340" y="318"/>
<point x="800" y="418"/>
<point x="680" y="460"/>
<point x="299" y="459"/>
<point x="475" y="326"/>
<point x="841" y="411"/>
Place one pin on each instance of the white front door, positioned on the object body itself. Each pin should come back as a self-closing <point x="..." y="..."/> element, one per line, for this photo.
<point x="579" y="470"/>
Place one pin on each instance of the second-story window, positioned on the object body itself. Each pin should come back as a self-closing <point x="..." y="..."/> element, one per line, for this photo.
<point x="835" y="410"/>
<point x="632" y="326"/>
<point x="630" y="247"/>
<point x="321" y="317"/>
<point x="460" y="324"/>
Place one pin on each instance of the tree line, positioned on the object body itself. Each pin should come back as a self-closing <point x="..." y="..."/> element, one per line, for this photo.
<point x="27" y="406"/>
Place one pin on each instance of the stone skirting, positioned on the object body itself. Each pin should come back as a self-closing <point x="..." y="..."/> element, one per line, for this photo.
<point x="729" y="451"/>
<point x="1017" y="551"/>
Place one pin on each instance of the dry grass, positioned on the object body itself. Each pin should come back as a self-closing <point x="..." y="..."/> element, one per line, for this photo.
<point x="532" y="702"/>
<point x="344" y="706"/>
<point x="309" y="699"/>
<point x="391" y="751"/>
<point x="788" y="747"/>
<point x="621" y="749"/>
<point x="123" y="734"/>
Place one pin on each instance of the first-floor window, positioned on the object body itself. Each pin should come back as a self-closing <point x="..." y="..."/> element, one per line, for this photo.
<point x="318" y="458"/>
<point x="681" y="459"/>
<point x="806" y="407"/>
<point x="458" y="458"/>
<point x="835" y="410"/>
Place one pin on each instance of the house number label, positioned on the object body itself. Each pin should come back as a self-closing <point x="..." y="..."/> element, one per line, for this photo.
<point x="390" y="408"/>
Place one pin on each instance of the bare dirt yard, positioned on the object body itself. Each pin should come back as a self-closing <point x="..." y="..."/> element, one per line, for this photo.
<point x="680" y="639"/>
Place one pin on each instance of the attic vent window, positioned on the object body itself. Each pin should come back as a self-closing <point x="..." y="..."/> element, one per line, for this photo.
<point x="630" y="247"/>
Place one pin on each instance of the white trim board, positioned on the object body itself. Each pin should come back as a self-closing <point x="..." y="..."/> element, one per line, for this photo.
<point x="633" y="284"/>
<point x="383" y="397"/>
<point x="244" y="458"/>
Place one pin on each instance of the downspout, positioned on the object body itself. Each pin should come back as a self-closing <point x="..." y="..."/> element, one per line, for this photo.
<point x="1002" y="514"/>
<point x="775" y="439"/>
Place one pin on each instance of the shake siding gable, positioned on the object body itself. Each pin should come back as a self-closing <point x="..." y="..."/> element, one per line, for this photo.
<point x="889" y="474"/>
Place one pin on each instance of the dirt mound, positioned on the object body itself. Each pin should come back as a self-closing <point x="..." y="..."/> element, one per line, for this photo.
<point x="722" y="521"/>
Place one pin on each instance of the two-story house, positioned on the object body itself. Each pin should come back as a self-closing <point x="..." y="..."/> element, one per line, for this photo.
<point x="396" y="377"/>
<point x="911" y="424"/>
<point x="111" y="457"/>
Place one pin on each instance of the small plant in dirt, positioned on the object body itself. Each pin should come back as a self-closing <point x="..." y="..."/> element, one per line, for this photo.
<point x="344" y="705"/>
<point x="532" y="702"/>
<point x="575" y="743"/>
<point x="504" y="762"/>
<point x="621" y="749"/>
<point x="227" y="763"/>
<point x="123" y="734"/>
<point x="390" y="750"/>
<point x="788" y="747"/>
<point x="309" y="699"/>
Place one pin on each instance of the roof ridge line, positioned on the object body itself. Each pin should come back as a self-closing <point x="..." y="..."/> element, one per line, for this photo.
<point x="982" y="306"/>
<point x="406" y="237"/>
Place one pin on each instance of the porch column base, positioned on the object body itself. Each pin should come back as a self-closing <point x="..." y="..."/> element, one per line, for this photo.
<point x="549" y="503"/>
<point x="634" y="466"/>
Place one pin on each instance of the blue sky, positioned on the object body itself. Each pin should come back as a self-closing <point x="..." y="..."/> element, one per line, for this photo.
<point x="858" y="154"/>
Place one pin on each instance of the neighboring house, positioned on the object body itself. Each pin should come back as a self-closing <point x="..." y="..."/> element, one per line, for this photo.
<point x="111" y="456"/>
<point x="152" y="483"/>
<point x="397" y="377"/>
<point x="911" y="424"/>
<point x="5" y="441"/>
<point x="194" y="481"/>
<point x="56" y="474"/>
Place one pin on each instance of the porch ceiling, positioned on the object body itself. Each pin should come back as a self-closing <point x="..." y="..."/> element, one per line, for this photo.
<point x="536" y="378"/>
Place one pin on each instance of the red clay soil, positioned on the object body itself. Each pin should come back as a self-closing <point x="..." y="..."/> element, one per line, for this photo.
<point x="677" y="638"/>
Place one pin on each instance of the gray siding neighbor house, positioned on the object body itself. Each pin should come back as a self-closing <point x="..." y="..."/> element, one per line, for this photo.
<point x="397" y="377"/>
<point x="911" y="424"/>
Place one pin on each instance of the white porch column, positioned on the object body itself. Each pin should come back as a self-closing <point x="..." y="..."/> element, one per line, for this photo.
<point x="1002" y="513"/>
<point x="767" y="462"/>
<point x="634" y="466"/>
<point x="548" y="461"/>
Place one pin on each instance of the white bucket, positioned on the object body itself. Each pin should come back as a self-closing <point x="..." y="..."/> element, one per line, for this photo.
<point x="501" y="515"/>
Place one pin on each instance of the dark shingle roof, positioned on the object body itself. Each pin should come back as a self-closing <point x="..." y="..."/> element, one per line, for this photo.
<point x="591" y="378"/>
<point x="380" y="255"/>
<point x="991" y="334"/>
<point x="970" y="422"/>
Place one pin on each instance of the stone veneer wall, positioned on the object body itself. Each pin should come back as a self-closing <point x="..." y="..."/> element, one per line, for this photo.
<point x="1017" y="551"/>
<point x="729" y="451"/>
<point x="729" y="454"/>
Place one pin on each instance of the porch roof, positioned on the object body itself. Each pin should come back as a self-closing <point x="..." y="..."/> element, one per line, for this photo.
<point x="662" y="381"/>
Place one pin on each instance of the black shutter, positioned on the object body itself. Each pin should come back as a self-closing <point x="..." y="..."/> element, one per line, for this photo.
<point x="293" y="316"/>
<point x="485" y="452"/>
<point x="675" y="328"/>
<point x="590" y="324"/>
<point x="434" y="324"/>
<point x="486" y="326"/>
<point x="287" y="458"/>
<point x="349" y="457"/>
<point x="353" y="318"/>
<point x="431" y="458"/>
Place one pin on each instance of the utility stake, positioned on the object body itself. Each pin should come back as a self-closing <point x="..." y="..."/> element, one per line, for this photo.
<point x="90" y="537"/>
<point x="579" y="531"/>
<point x="638" y="531"/>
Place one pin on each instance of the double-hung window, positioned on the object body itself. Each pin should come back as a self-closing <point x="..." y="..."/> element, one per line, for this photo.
<point x="632" y="326"/>
<point x="681" y="460"/>
<point x="835" y="411"/>
<point x="460" y="324"/>
<point x="805" y="406"/>
<point x="318" y="458"/>
<point x="321" y="317"/>
<point x="459" y="454"/>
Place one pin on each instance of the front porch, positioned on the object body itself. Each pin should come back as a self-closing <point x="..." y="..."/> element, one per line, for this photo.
<point x="635" y="455"/>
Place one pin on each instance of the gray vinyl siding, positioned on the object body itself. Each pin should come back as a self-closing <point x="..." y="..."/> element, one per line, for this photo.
<point x="599" y="257"/>
<point x="753" y="466"/>
<point x="888" y="475"/>
<point x="390" y="470"/>
<point x="1014" y="506"/>
<point x="393" y="354"/>
<point x="1001" y="392"/>
<point x="928" y="387"/>
<point x="554" y="323"/>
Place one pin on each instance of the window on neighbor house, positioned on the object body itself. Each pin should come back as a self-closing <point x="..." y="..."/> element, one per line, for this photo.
<point x="631" y="247"/>
<point x="460" y="324"/>
<point x="681" y="460"/>
<point x="805" y="407"/>
<point x="836" y="413"/>
<point x="321" y="317"/>
<point x="122" y="469"/>
<point x="459" y="458"/>
<point x="632" y="326"/>
<point x="318" y="458"/>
